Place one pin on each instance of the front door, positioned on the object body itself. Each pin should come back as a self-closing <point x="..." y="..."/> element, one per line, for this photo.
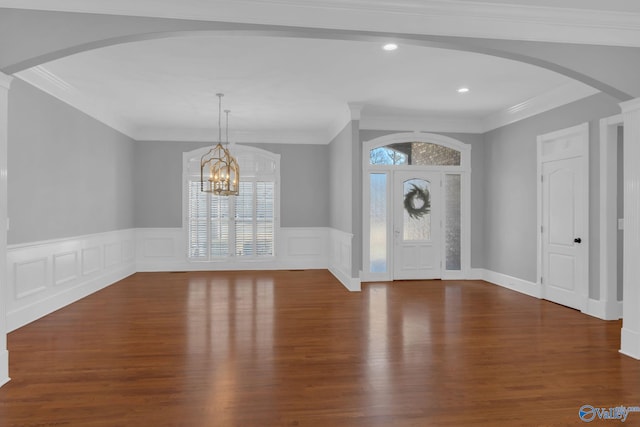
<point x="417" y="225"/>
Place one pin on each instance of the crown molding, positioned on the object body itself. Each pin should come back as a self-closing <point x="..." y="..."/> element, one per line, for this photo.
<point x="48" y="82"/>
<point x="434" y="17"/>
<point x="558" y="97"/>
<point x="630" y="106"/>
<point x="240" y="137"/>
<point x="5" y="81"/>
<point x="421" y="124"/>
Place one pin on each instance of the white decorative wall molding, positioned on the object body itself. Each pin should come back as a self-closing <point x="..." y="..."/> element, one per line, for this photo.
<point x="46" y="276"/>
<point x="547" y="101"/>
<point x="47" y="81"/>
<point x="500" y="20"/>
<point x="250" y="136"/>
<point x="340" y="259"/>
<point x="520" y="285"/>
<point x="630" y="341"/>
<point x="4" y="364"/>
<point x="165" y="249"/>
<point x="303" y="247"/>
<point x="476" y="274"/>
<point x="5" y="83"/>
<point x="421" y="124"/>
<point x="605" y="310"/>
<point x="611" y="308"/>
<point x="55" y="86"/>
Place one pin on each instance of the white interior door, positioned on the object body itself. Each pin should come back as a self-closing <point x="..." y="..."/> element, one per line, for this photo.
<point x="417" y="225"/>
<point x="564" y="207"/>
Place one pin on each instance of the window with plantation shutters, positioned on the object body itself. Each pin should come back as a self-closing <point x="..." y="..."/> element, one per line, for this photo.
<point x="243" y="226"/>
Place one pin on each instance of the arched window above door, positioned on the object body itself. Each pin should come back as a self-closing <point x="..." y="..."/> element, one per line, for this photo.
<point x="416" y="153"/>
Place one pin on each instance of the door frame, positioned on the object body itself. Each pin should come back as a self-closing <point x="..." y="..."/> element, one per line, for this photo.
<point x="464" y="170"/>
<point x="583" y="131"/>
<point x="609" y="308"/>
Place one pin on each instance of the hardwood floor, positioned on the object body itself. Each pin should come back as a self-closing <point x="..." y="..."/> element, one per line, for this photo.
<point x="295" y="348"/>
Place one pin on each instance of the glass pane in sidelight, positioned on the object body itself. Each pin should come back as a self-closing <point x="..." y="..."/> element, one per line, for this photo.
<point x="452" y="233"/>
<point x="378" y="223"/>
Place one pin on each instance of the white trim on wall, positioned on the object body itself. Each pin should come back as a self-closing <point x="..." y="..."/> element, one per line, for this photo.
<point x="595" y="308"/>
<point x="610" y="306"/>
<point x="48" y="82"/>
<point x="5" y="83"/>
<point x="565" y="94"/>
<point x="44" y="79"/>
<point x="340" y="259"/>
<point x="630" y="334"/>
<point x="514" y="283"/>
<point x="165" y="249"/>
<point x="46" y="276"/>
<point x="435" y="17"/>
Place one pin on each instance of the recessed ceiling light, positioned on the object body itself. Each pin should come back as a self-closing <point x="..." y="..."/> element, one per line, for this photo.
<point x="390" y="46"/>
<point x="463" y="90"/>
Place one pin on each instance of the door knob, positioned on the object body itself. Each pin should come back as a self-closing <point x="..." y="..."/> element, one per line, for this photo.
<point x="577" y="240"/>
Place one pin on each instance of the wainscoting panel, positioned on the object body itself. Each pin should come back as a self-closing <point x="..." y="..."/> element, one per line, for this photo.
<point x="165" y="249"/>
<point x="30" y="277"/>
<point x="91" y="260"/>
<point x="65" y="267"/>
<point x="340" y="259"/>
<point x="46" y="276"/>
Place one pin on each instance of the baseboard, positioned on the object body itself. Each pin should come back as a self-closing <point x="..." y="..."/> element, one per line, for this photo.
<point x="605" y="310"/>
<point x="630" y="343"/>
<point x="34" y="311"/>
<point x="353" y="284"/>
<point x="46" y="276"/>
<point x="513" y="283"/>
<point x="476" y="274"/>
<point x="4" y="367"/>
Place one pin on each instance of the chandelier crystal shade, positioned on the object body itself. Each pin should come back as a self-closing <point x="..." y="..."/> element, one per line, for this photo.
<point x="219" y="170"/>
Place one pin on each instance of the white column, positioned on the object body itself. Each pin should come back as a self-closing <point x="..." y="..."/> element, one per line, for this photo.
<point x="630" y="344"/>
<point x="5" y="82"/>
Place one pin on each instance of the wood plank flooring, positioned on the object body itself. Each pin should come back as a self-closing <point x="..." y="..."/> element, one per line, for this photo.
<point x="294" y="348"/>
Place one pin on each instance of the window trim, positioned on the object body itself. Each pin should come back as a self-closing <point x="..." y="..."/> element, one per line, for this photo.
<point x="238" y="151"/>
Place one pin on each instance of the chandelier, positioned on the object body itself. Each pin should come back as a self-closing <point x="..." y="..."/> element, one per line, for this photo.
<point x="219" y="170"/>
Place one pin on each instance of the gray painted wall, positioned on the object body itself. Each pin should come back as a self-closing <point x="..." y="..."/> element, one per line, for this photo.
<point x="510" y="181"/>
<point x="158" y="183"/>
<point x="69" y="174"/>
<point x="303" y="184"/>
<point x="477" y="187"/>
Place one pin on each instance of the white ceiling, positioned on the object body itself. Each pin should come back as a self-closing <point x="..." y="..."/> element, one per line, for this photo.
<point x="288" y="88"/>
<point x="297" y="90"/>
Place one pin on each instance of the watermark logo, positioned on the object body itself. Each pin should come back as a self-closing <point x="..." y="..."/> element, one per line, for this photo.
<point x="588" y="413"/>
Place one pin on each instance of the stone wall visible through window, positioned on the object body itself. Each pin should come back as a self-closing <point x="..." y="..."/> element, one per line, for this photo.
<point x="415" y="154"/>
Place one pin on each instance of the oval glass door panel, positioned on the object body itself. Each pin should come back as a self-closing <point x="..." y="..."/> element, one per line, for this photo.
<point x="416" y="224"/>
